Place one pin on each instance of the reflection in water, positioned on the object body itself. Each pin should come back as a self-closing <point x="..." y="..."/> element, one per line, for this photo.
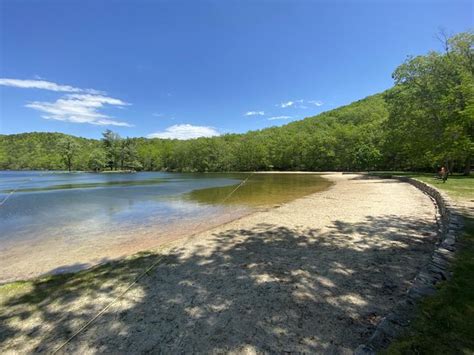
<point x="84" y="185"/>
<point x="55" y="219"/>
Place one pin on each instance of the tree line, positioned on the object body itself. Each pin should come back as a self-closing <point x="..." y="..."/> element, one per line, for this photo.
<point x="424" y="121"/>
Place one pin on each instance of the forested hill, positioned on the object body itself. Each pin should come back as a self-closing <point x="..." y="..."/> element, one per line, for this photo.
<point x="39" y="150"/>
<point x="340" y="139"/>
<point x="425" y="120"/>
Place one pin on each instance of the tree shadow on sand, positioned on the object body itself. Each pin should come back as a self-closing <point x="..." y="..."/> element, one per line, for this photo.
<point x="268" y="288"/>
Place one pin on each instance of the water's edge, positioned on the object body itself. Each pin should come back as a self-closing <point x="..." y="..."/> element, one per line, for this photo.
<point x="173" y="237"/>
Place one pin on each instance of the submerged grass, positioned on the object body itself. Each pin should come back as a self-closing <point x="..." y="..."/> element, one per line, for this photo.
<point x="262" y="189"/>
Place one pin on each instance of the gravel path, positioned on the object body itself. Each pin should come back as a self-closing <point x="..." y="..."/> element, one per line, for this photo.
<point x="314" y="275"/>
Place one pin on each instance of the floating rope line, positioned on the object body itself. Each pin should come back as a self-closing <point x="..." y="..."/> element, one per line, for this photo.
<point x="138" y="278"/>
<point x="109" y="305"/>
<point x="10" y="194"/>
<point x="238" y="186"/>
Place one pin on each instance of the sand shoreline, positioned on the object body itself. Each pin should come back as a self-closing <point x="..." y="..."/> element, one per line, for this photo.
<point x="18" y="268"/>
<point x="312" y="275"/>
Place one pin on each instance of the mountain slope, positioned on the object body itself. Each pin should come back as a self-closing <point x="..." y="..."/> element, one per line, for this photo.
<point x="348" y="137"/>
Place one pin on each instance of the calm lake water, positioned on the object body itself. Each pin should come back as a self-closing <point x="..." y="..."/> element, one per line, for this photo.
<point x="58" y="222"/>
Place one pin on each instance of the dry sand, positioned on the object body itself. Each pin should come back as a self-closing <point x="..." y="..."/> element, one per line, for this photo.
<point x="313" y="275"/>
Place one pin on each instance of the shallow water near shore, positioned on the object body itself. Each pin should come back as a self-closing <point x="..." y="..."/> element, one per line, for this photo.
<point x="54" y="222"/>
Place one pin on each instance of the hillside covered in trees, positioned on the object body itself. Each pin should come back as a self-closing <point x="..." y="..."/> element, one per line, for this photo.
<point x="346" y="138"/>
<point x="425" y="120"/>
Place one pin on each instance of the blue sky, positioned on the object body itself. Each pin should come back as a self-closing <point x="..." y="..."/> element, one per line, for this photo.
<point x="189" y="68"/>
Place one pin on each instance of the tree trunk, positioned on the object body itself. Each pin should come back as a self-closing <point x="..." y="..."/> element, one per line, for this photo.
<point x="450" y="166"/>
<point x="467" y="166"/>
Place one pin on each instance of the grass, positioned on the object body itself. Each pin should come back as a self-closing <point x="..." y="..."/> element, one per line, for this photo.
<point x="445" y="322"/>
<point x="458" y="187"/>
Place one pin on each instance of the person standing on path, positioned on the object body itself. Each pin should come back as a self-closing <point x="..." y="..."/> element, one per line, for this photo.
<point x="444" y="174"/>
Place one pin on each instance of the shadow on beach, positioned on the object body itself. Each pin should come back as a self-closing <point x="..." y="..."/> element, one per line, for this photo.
<point x="268" y="288"/>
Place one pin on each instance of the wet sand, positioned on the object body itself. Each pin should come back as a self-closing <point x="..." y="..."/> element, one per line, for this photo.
<point x="30" y="259"/>
<point x="314" y="275"/>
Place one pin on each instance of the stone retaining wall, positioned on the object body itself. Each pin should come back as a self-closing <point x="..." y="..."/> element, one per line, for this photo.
<point x="450" y="227"/>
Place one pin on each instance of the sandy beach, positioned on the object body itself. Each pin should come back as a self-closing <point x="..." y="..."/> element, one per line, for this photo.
<point x="313" y="275"/>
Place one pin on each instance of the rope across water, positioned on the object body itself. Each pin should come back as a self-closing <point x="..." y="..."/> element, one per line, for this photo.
<point x="138" y="278"/>
<point x="10" y="194"/>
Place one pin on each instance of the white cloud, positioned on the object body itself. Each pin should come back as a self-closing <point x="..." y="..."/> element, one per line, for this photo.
<point x="255" y="113"/>
<point x="185" y="131"/>
<point x="43" y="84"/>
<point x="79" y="108"/>
<point x="316" y="102"/>
<point x="279" y="118"/>
<point x="300" y="102"/>
<point x="286" y="104"/>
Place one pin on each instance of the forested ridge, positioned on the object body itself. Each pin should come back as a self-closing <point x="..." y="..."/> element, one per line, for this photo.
<point x="342" y="139"/>
<point x="425" y="120"/>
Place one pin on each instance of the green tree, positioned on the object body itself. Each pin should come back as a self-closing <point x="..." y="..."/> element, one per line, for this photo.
<point x="69" y="148"/>
<point x="97" y="160"/>
<point x="111" y="142"/>
<point x="128" y="155"/>
<point x="431" y="107"/>
<point x="367" y="156"/>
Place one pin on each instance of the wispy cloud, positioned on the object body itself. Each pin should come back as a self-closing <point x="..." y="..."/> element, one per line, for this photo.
<point x="255" y="113"/>
<point x="316" y="102"/>
<point x="44" y="85"/>
<point x="162" y="115"/>
<point x="274" y="118"/>
<point x="79" y="108"/>
<point x="78" y="105"/>
<point x="299" y="103"/>
<point x="185" y="131"/>
<point x="286" y="104"/>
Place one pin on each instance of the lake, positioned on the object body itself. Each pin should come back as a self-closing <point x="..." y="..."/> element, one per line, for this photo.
<point x="53" y="222"/>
